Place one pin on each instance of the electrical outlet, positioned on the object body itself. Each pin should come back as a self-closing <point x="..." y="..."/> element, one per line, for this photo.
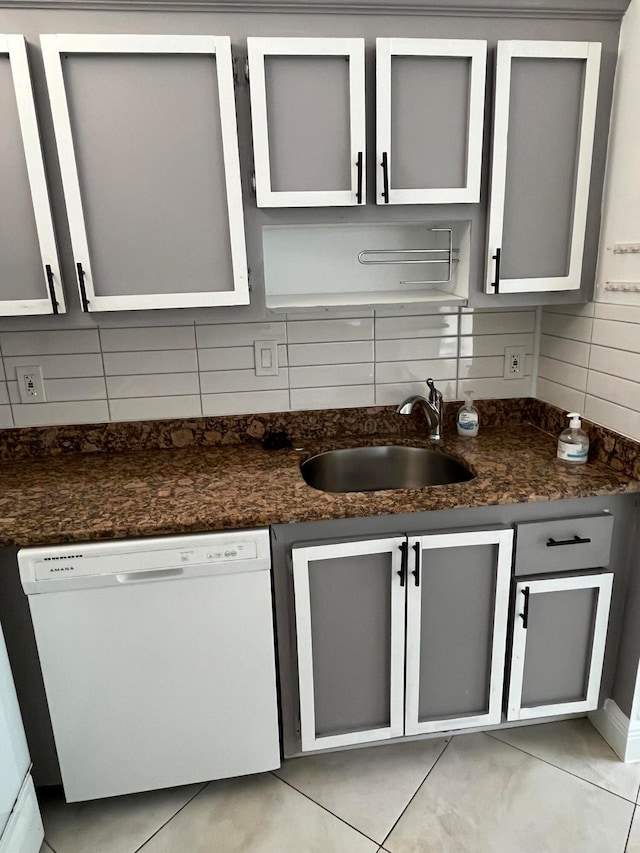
<point x="513" y="362"/>
<point x="31" y="384"/>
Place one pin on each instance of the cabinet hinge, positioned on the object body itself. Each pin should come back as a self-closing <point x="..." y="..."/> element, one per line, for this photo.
<point x="246" y="70"/>
<point x="253" y="182"/>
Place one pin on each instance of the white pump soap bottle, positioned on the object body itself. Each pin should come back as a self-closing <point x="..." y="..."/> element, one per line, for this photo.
<point x="468" y="418"/>
<point x="573" y="443"/>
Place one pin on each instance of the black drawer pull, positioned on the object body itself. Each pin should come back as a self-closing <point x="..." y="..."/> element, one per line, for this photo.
<point x="385" y="177"/>
<point x="525" y="615"/>
<point x="402" y="574"/>
<point x="552" y="543"/>
<point x="359" y="167"/>
<point x="416" y="571"/>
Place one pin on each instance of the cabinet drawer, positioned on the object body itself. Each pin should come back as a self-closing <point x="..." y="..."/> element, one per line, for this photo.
<point x="563" y="545"/>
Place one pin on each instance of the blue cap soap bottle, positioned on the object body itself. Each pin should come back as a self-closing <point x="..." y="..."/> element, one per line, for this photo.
<point x="468" y="418"/>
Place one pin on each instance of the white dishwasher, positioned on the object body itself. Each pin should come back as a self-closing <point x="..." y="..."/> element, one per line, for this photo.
<point x="158" y="659"/>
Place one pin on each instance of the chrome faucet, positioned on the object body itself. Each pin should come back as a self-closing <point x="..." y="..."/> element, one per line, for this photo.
<point x="432" y="408"/>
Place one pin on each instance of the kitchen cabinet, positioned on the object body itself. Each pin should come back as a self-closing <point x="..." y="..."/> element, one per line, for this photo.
<point x="543" y="130"/>
<point x="429" y="120"/>
<point x="350" y="600"/>
<point x="308" y="119"/>
<point x="30" y="281"/>
<point x="560" y="618"/>
<point x="147" y="143"/>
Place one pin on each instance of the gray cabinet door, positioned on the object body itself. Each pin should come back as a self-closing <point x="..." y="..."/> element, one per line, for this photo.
<point x="457" y="605"/>
<point x="544" y="120"/>
<point x="350" y="607"/>
<point x="29" y="267"/>
<point x="559" y="634"/>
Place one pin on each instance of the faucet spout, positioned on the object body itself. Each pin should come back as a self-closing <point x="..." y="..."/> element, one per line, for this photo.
<point x="432" y="406"/>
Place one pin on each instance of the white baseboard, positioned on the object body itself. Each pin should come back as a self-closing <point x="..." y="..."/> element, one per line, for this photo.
<point x="621" y="733"/>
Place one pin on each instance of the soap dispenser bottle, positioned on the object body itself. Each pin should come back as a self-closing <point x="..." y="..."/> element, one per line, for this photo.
<point x="573" y="443"/>
<point x="468" y="418"/>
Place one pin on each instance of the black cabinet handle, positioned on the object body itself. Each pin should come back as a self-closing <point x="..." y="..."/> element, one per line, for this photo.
<point x="385" y="177"/>
<point x="553" y="543"/>
<point x="525" y="614"/>
<point x="52" y="289"/>
<point x="359" y="190"/>
<point x="416" y="571"/>
<point x="496" y="284"/>
<point x="83" y="291"/>
<point x="402" y="574"/>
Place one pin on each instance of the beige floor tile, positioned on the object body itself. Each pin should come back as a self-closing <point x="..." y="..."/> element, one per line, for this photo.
<point x="256" y="814"/>
<point x="633" y="845"/>
<point x="45" y="848"/>
<point x="574" y="745"/>
<point x="113" y="825"/>
<point x="369" y="788"/>
<point x="484" y="795"/>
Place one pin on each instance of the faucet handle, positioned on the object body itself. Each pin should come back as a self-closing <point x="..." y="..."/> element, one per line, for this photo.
<point x="433" y="391"/>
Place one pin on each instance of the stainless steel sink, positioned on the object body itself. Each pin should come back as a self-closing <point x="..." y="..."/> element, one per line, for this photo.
<point x="368" y="469"/>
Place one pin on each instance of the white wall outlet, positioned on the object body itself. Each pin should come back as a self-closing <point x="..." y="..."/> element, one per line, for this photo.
<point x="31" y="384"/>
<point x="513" y="362"/>
<point x="266" y="355"/>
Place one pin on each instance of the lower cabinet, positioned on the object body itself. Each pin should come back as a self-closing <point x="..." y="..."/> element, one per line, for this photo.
<point x="559" y="635"/>
<point x="401" y="635"/>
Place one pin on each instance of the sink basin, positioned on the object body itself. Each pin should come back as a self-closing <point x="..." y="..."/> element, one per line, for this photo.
<point x="368" y="469"/>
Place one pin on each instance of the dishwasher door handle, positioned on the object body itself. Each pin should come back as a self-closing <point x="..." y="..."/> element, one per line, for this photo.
<point x="150" y="575"/>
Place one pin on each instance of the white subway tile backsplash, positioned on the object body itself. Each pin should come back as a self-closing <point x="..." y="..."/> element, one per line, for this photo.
<point x="490" y="323"/>
<point x="158" y="361"/>
<point x="496" y="387"/>
<point x="622" y="313"/>
<point x="50" y="343"/>
<point x="616" y="362"/>
<point x="414" y="371"/>
<point x="240" y="334"/>
<point x="424" y="326"/>
<point x="228" y="381"/>
<point x="318" y="331"/>
<point x="566" y="326"/>
<point x="416" y="348"/>
<point x="583" y="310"/>
<point x="621" y="391"/>
<point x="333" y="398"/>
<point x="6" y="417"/>
<point x="563" y="373"/>
<point x="234" y="358"/>
<point x="560" y="395"/>
<point x="573" y="352"/>
<point x="619" y="418"/>
<point x="153" y="385"/>
<point x="339" y="374"/>
<point x="414" y="310"/>
<point x="50" y="414"/>
<point x="301" y="355"/>
<point x="484" y="345"/>
<point x="151" y="338"/>
<point x="238" y="403"/>
<point x="150" y="408"/>
<point x="4" y="392"/>
<point x="612" y="333"/>
<point x="394" y="393"/>
<point x="58" y="366"/>
<point x="66" y="390"/>
<point x="482" y="367"/>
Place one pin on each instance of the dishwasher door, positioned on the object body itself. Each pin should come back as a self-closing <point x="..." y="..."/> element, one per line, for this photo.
<point x="158" y="659"/>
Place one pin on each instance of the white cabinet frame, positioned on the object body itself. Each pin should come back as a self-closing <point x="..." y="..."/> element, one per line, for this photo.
<point x="53" y="303"/>
<point x="301" y="557"/>
<point x="601" y="582"/>
<point x="220" y="47"/>
<point x="353" y="50"/>
<point x="476" y="51"/>
<point x="504" y="541"/>
<point x="507" y="51"/>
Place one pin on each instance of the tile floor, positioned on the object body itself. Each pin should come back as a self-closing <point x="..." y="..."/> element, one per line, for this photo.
<point x="553" y="787"/>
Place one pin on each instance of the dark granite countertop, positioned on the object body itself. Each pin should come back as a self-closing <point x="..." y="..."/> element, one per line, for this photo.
<point x="86" y="496"/>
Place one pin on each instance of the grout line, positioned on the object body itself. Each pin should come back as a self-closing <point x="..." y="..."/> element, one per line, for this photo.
<point x="190" y="800"/>
<point x="415" y="793"/>
<point x="104" y="375"/>
<point x="195" y="343"/>
<point x="558" y="767"/>
<point x="324" y="808"/>
<point x="626" y="845"/>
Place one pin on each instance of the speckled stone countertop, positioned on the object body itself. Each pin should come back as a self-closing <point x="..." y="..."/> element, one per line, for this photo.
<point x="97" y="495"/>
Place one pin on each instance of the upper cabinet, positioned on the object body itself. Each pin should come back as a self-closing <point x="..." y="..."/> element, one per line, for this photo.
<point x="544" y="119"/>
<point x="146" y="132"/>
<point x="429" y="120"/>
<point x="29" y="267"/>
<point x="308" y="117"/>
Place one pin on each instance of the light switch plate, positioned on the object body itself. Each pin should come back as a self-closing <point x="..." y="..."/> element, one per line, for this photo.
<point x="266" y="357"/>
<point x="31" y="383"/>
